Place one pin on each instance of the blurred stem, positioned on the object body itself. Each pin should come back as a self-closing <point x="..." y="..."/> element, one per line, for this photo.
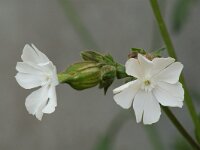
<point x="78" y="24"/>
<point x="156" y="38"/>
<point x="180" y="128"/>
<point x="171" y="51"/>
<point x="154" y="137"/>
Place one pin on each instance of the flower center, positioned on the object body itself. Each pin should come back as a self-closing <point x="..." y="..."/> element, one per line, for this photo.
<point x="147" y="82"/>
<point x="147" y="85"/>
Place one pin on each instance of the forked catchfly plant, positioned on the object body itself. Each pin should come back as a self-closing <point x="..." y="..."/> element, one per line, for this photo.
<point x="157" y="81"/>
<point x="37" y="70"/>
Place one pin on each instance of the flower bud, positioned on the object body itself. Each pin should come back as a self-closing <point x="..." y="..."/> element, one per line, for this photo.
<point x="92" y="56"/>
<point x="97" y="57"/>
<point x="81" y="75"/>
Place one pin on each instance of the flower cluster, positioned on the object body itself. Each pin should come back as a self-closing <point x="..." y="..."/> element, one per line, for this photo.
<point x="156" y="81"/>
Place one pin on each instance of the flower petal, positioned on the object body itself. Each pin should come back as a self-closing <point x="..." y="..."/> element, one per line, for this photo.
<point x="152" y="110"/>
<point x="146" y="65"/>
<point x="170" y="74"/>
<point x="133" y="68"/>
<point x="29" y="81"/>
<point x="145" y="105"/>
<point x="167" y="99"/>
<point x="125" y="97"/>
<point x="24" y="67"/>
<point x="31" y="55"/>
<point x="36" y="101"/>
<point x="123" y="87"/>
<point x="43" y="57"/>
<point x="52" y="103"/>
<point x="161" y="63"/>
<point x="175" y="90"/>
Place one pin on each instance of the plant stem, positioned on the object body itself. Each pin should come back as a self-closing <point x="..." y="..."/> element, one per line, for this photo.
<point x="171" y="51"/>
<point x="180" y="128"/>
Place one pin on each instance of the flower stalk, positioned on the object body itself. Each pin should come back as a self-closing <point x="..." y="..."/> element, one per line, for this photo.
<point x="180" y="128"/>
<point x="172" y="53"/>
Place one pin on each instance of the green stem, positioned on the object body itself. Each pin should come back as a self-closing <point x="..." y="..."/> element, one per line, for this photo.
<point x="180" y="128"/>
<point x="163" y="28"/>
<point x="171" y="51"/>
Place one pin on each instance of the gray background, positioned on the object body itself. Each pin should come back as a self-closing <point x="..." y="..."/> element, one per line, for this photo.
<point x="81" y="118"/>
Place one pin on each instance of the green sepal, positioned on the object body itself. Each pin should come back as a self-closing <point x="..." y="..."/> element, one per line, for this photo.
<point x="108" y="74"/>
<point x="138" y="50"/>
<point x="120" y="71"/>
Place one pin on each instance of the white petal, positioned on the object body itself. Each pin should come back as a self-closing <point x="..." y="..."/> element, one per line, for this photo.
<point x="167" y="99"/>
<point x="133" y="68"/>
<point x="147" y="106"/>
<point x="161" y="63"/>
<point x="123" y="87"/>
<point x="146" y="65"/>
<point x="42" y="56"/>
<point x="36" y="101"/>
<point x="31" y="55"/>
<point x="29" y="81"/>
<point x="24" y="67"/>
<point x="125" y="97"/>
<point x="170" y="74"/>
<point x="138" y="105"/>
<point x="50" y="69"/>
<point x="52" y="103"/>
<point x="175" y="90"/>
<point x="152" y="110"/>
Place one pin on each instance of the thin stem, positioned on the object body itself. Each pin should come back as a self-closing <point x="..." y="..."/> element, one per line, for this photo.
<point x="180" y="128"/>
<point x="171" y="51"/>
<point x="163" y="28"/>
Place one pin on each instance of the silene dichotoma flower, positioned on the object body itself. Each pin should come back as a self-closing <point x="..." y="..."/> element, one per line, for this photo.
<point x="157" y="82"/>
<point x="37" y="70"/>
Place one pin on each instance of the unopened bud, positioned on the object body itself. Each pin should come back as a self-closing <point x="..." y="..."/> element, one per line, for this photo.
<point x="81" y="75"/>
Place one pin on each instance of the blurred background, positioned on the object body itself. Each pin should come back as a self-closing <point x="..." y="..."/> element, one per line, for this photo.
<point x="88" y="120"/>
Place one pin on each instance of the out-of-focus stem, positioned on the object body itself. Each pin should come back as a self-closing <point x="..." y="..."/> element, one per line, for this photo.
<point x="78" y="24"/>
<point x="171" y="51"/>
<point x="180" y="128"/>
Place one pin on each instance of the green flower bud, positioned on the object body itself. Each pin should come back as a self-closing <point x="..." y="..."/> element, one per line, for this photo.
<point x="92" y="56"/>
<point x="97" y="57"/>
<point x="81" y="75"/>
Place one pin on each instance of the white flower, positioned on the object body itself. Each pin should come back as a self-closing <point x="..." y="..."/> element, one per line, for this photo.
<point x="156" y="82"/>
<point x="37" y="70"/>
